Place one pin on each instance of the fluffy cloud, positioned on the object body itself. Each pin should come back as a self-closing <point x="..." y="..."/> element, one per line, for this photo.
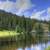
<point x="48" y="12"/>
<point x="18" y="7"/>
<point x="7" y="6"/>
<point x="23" y="5"/>
<point x="37" y="15"/>
<point x="48" y="9"/>
<point x="40" y="14"/>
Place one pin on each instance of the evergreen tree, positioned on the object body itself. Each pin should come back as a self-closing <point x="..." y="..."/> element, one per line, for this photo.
<point x="39" y="33"/>
<point x="49" y="26"/>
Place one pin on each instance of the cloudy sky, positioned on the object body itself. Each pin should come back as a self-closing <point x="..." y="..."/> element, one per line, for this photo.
<point x="38" y="9"/>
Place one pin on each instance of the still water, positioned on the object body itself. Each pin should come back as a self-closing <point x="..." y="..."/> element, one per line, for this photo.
<point x="37" y="47"/>
<point x="32" y="47"/>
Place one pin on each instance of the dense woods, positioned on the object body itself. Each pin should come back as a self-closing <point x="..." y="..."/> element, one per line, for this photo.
<point x="10" y="21"/>
<point x="26" y="27"/>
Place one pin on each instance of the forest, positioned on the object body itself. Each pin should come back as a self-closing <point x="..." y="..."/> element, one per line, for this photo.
<point x="28" y="31"/>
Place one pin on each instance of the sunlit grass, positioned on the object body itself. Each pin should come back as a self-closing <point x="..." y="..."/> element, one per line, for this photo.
<point x="48" y="48"/>
<point x="7" y="33"/>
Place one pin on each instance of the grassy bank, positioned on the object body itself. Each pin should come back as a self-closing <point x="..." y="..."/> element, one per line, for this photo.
<point x="6" y="33"/>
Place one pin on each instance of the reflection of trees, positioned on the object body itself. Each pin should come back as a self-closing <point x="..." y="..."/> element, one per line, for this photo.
<point x="49" y="26"/>
<point x="39" y="33"/>
<point x="23" y="26"/>
<point x="24" y="37"/>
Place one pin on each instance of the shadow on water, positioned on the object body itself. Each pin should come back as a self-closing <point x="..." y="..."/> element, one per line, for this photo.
<point x="13" y="46"/>
<point x="4" y="46"/>
<point x="7" y="44"/>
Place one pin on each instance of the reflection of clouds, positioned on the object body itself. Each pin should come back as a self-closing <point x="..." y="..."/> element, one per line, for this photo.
<point x="37" y="47"/>
<point x="19" y="49"/>
<point x="32" y="47"/>
<point x="48" y="44"/>
<point x="27" y="48"/>
<point x="2" y="0"/>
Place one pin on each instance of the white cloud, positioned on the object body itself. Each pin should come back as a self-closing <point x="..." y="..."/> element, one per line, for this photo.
<point x="18" y="7"/>
<point x="48" y="12"/>
<point x="37" y="15"/>
<point x="23" y="5"/>
<point x="6" y="5"/>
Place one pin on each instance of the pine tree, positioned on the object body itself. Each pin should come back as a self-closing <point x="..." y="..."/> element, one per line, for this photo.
<point x="39" y="33"/>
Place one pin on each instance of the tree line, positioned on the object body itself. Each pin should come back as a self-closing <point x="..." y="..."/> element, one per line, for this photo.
<point x="24" y="26"/>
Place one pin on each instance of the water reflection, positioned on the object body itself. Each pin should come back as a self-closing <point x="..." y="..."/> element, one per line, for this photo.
<point x="37" y="47"/>
<point x="19" y="49"/>
<point x="27" y="48"/>
<point x="32" y="47"/>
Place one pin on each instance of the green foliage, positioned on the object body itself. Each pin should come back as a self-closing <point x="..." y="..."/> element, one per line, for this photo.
<point x="21" y="25"/>
<point x="9" y="21"/>
<point x="49" y="26"/>
<point x="48" y="48"/>
<point x="18" y="29"/>
<point x="39" y="33"/>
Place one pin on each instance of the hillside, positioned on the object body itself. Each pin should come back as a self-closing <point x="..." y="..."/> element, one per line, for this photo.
<point x="9" y="21"/>
<point x="23" y="29"/>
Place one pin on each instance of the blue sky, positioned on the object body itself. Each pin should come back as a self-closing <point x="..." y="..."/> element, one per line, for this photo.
<point x="38" y="9"/>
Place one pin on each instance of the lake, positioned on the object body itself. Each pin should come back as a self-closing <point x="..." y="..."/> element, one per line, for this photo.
<point x="32" y="47"/>
<point x="37" y="47"/>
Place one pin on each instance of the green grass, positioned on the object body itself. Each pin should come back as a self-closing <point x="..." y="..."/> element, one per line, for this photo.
<point x="48" y="48"/>
<point x="6" y="33"/>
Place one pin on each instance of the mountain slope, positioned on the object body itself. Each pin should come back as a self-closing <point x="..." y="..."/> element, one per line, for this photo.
<point x="10" y="21"/>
